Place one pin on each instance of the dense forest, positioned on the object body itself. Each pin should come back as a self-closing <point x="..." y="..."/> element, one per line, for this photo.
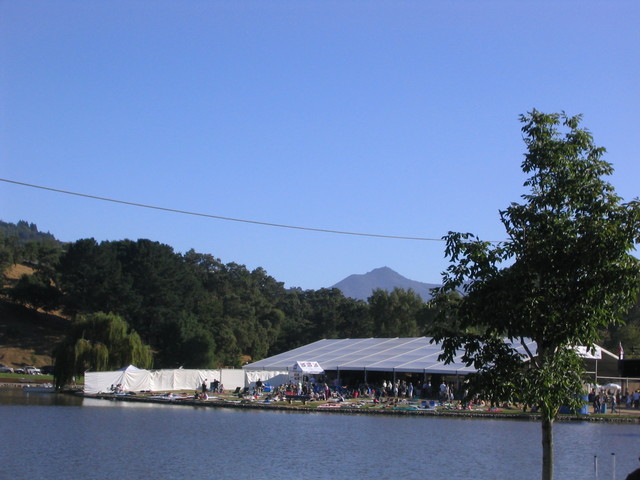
<point x="195" y="311"/>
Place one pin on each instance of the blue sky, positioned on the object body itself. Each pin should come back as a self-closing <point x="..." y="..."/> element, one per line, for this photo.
<point x="393" y="118"/>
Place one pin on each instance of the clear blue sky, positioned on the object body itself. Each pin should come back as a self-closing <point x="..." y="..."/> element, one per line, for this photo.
<point x="384" y="117"/>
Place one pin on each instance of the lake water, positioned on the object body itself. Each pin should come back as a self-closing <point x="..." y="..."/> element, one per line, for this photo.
<point x="47" y="436"/>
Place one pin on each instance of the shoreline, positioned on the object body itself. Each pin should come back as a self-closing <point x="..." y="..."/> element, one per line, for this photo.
<point x="364" y="409"/>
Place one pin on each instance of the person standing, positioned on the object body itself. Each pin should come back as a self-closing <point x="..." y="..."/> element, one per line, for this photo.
<point x="444" y="393"/>
<point x="327" y="392"/>
<point x="614" y="403"/>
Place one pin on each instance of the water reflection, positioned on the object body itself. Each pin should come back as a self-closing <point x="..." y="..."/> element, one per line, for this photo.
<point x="92" y="440"/>
<point x="22" y="396"/>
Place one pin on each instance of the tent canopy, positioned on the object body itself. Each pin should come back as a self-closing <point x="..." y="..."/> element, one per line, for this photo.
<point x="135" y="379"/>
<point x="130" y="368"/>
<point x="308" y="368"/>
<point x="410" y="355"/>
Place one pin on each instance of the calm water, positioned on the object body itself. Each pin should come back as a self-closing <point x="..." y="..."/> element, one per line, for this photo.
<point x="60" y="437"/>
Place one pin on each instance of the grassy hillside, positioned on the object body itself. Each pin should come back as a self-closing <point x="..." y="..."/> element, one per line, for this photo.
<point x="27" y="337"/>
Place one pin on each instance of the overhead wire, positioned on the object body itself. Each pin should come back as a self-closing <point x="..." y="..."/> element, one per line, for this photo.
<point x="218" y="217"/>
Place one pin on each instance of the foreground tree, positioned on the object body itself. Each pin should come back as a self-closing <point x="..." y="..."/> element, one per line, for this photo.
<point x="568" y="274"/>
<point x="99" y="342"/>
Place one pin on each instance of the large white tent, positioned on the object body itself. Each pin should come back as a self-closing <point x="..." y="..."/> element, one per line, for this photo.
<point x="401" y="355"/>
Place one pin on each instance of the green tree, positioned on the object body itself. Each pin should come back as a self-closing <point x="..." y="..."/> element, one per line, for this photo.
<point x="431" y="319"/>
<point x="395" y="313"/>
<point x="36" y="292"/>
<point x="325" y="310"/>
<point x="356" y="320"/>
<point x="310" y="315"/>
<point x="296" y="323"/>
<point x="227" y="350"/>
<point x="160" y="287"/>
<point x="42" y="254"/>
<point x="91" y="278"/>
<point x="8" y="251"/>
<point x="238" y="303"/>
<point x="568" y="273"/>
<point x="24" y="232"/>
<point x="193" y="344"/>
<point x="144" y="282"/>
<point x="100" y="342"/>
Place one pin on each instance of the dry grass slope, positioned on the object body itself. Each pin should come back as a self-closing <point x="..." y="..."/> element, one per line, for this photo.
<point x="27" y="336"/>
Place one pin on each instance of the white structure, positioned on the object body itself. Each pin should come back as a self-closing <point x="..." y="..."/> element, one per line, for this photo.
<point x="393" y="355"/>
<point x="272" y="377"/>
<point x="304" y="369"/>
<point x="133" y="379"/>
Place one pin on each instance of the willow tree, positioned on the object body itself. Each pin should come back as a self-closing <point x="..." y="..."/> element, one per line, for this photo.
<point x="98" y="342"/>
<point x="564" y="271"/>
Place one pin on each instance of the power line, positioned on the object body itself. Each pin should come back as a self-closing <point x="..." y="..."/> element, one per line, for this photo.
<point x="218" y="217"/>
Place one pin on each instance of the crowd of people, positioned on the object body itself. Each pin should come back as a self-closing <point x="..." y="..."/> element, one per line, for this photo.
<point x="602" y="399"/>
<point x="205" y="389"/>
<point x="405" y="390"/>
<point x="324" y="390"/>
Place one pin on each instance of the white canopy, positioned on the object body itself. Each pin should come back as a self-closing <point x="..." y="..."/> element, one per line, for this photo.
<point x="307" y="368"/>
<point x="410" y="355"/>
<point x="594" y="353"/>
<point x="133" y="379"/>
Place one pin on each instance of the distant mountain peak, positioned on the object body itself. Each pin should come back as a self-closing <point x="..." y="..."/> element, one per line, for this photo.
<point x="384" y="270"/>
<point x="361" y="286"/>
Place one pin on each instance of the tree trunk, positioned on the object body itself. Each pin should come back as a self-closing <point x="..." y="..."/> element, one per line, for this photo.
<point x="547" y="448"/>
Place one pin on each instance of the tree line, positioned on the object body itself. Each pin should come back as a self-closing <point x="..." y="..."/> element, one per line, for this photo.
<point x="192" y="309"/>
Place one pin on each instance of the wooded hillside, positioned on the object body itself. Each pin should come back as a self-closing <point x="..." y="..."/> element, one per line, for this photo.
<point x="192" y="309"/>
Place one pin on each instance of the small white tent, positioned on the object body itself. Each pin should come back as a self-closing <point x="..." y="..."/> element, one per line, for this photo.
<point x="308" y="368"/>
<point x="130" y="378"/>
<point x="96" y="382"/>
<point x="302" y="369"/>
<point x="133" y="378"/>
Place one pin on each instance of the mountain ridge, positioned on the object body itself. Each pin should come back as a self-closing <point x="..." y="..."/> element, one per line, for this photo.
<point x="361" y="286"/>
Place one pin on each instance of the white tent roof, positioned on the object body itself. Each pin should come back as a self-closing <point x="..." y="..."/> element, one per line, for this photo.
<point x="372" y="354"/>
<point x="311" y="368"/>
<point x="130" y="368"/>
